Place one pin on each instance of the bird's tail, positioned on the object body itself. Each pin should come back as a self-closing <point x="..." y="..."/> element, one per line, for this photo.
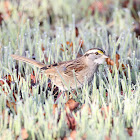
<point x="29" y="61"/>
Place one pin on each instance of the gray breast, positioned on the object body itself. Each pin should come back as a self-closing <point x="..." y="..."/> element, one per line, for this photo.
<point x="91" y="72"/>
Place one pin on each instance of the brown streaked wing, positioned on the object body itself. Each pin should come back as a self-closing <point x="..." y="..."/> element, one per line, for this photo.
<point x="52" y="70"/>
<point x="55" y="65"/>
<point x="77" y="65"/>
<point x="65" y="68"/>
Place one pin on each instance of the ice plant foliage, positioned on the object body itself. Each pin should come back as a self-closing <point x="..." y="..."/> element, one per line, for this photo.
<point x="31" y="107"/>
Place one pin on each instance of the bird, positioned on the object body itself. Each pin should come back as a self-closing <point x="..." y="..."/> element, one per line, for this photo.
<point x="70" y="74"/>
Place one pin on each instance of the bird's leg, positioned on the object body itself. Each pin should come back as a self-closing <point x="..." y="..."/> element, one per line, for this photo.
<point x="59" y="94"/>
<point x="66" y="96"/>
<point x="73" y="92"/>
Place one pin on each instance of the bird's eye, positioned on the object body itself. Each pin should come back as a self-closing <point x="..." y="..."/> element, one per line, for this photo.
<point x="96" y="53"/>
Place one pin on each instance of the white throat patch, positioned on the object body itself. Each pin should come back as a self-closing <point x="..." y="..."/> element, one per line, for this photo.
<point x="99" y="60"/>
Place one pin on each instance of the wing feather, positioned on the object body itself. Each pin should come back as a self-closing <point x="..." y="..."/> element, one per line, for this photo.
<point x="75" y="66"/>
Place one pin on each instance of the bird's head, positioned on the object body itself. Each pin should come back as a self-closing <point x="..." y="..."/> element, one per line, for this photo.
<point x="96" y="55"/>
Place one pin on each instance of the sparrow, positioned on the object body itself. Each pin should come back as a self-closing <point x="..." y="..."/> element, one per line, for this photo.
<point x="70" y="74"/>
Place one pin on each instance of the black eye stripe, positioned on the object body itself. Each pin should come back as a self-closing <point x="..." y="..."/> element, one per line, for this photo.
<point x="88" y="54"/>
<point x="92" y="53"/>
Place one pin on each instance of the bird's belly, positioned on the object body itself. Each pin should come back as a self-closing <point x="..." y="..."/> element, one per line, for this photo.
<point x="68" y="84"/>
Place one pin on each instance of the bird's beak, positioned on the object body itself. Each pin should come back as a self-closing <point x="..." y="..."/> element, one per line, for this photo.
<point x="105" y="56"/>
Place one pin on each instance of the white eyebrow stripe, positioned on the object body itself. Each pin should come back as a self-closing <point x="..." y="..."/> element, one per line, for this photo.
<point x="91" y="51"/>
